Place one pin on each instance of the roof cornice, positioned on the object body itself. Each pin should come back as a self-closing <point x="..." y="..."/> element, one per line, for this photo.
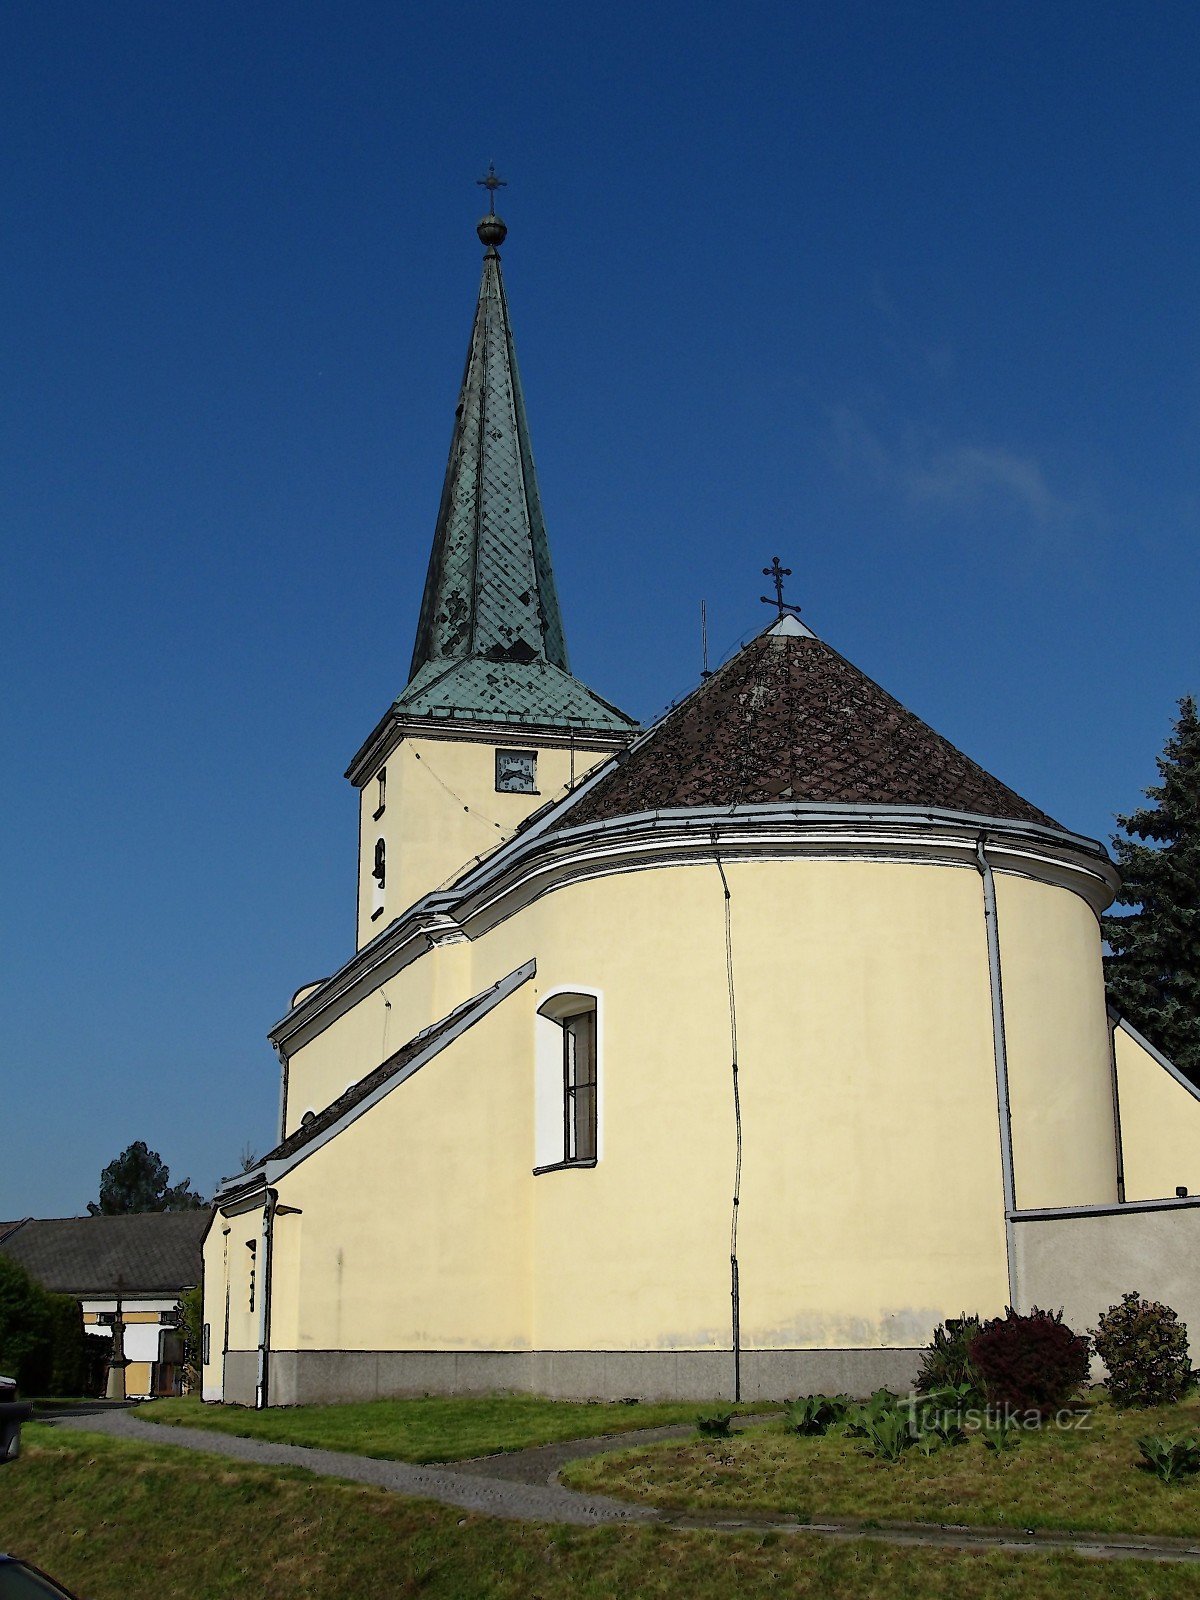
<point x="396" y="724"/>
<point x="539" y="860"/>
<point x="511" y="877"/>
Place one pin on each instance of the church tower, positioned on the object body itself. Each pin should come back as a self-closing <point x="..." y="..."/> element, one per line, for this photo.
<point x="492" y="723"/>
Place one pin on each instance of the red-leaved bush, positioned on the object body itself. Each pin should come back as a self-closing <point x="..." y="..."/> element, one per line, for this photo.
<point x="1032" y="1363"/>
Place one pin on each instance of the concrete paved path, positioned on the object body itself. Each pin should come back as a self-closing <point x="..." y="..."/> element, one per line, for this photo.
<point x="521" y="1486"/>
<point x="491" y="1496"/>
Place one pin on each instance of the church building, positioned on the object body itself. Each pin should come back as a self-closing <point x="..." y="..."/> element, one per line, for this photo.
<point x="723" y="1057"/>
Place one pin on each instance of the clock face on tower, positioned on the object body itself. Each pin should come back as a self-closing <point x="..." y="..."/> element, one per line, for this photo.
<point x="516" y="771"/>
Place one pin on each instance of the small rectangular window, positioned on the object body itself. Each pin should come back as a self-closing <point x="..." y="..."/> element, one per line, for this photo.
<point x="379" y="875"/>
<point x="252" y="1246"/>
<point x="579" y="1087"/>
<point x="204" y="1345"/>
<point x="381" y="793"/>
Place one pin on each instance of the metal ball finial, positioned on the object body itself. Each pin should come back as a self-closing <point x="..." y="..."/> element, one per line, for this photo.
<point x="491" y="231"/>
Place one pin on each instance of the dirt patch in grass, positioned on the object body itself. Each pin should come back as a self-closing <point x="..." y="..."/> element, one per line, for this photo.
<point x="118" y="1521"/>
<point x="1082" y="1477"/>
<point x="432" y="1428"/>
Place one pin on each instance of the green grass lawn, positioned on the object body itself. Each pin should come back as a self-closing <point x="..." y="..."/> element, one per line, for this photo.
<point x="433" y="1428"/>
<point x="1081" y="1479"/>
<point x="118" y="1521"/>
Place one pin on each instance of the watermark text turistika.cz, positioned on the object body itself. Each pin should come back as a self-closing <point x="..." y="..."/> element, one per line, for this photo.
<point x="922" y="1415"/>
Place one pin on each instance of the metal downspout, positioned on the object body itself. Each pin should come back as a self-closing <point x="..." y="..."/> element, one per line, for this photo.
<point x="283" y="1090"/>
<point x="225" y="1339"/>
<point x="735" y="1292"/>
<point x="262" y="1387"/>
<point x="1000" y="1051"/>
<point x="1116" y="1103"/>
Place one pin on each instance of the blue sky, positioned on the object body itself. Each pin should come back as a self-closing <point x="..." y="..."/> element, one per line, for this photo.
<point x="906" y="294"/>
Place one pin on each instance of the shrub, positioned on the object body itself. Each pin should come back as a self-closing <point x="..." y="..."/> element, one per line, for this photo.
<point x="1170" y="1458"/>
<point x="67" y="1360"/>
<point x="42" y="1342"/>
<point x="1145" y="1348"/>
<point x="714" y="1424"/>
<point x="886" y="1430"/>
<point x="939" y="1415"/>
<point x="947" y="1363"/>
<point x="1030" y="1363"/>
<point x="876" y="1405"/>
<point x="95" y="1365"/>
<point x="814" y="1414"/>
<point x="1000" y="1435"/>
<point x="25" y="1329"/>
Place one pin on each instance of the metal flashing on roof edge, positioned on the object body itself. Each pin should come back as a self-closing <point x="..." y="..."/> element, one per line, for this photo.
<point x="1164" y="1061"/>
<point x="424" y="1046"/>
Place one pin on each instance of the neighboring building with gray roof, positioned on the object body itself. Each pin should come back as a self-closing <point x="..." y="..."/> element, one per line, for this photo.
<point x="149" y="1259"/>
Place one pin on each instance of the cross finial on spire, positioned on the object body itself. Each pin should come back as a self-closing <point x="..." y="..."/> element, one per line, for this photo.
<point x="491" y="183"/>
<point x="491" y="229"/>
<point x="778" y="573"/>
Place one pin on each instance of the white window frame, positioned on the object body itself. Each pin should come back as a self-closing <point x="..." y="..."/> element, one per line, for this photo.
<point x="549" y="1136"/>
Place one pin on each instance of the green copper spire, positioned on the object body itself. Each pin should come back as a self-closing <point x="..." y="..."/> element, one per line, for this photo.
<point x="490" y="640"/>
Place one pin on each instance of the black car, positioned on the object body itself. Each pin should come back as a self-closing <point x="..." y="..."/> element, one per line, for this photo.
<point x="20" y="1581"/>
<point x="13" y="1413"/>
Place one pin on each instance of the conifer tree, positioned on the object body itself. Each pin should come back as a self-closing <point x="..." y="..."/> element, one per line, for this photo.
<point x="1154" y="970"/>
<point x="140" y="1180"/>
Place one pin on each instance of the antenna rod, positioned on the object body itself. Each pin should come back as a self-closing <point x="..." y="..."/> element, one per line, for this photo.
<point x="704" y="672"/>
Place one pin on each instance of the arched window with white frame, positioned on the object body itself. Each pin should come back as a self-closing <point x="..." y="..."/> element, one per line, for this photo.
<point x="567" y="1081"/>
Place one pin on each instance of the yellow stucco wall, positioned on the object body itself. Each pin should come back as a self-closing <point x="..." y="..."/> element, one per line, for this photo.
<point x="227" y="1271"/>
<point x="442" y="810"/>
<point x="375" y="1027"/>
<point x="1060" y="1084"/>
<point x="1160" y="1124"/>
<point x="872" y="1195"/>
<point x="855" y="985"/>
<point x="414" y="1224"/>
<point x="340" y="1052"/>
<point x="214" y="1275"/>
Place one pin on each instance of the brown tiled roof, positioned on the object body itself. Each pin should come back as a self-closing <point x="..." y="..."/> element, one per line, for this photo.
<point x="153" y="1252"/>
<point x="789" y="719"/>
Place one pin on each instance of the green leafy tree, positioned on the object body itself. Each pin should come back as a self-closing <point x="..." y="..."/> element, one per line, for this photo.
<point x="1154" y="970"/>
<point x="140" y="1180"/>
<point x="191" y="1326"/>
